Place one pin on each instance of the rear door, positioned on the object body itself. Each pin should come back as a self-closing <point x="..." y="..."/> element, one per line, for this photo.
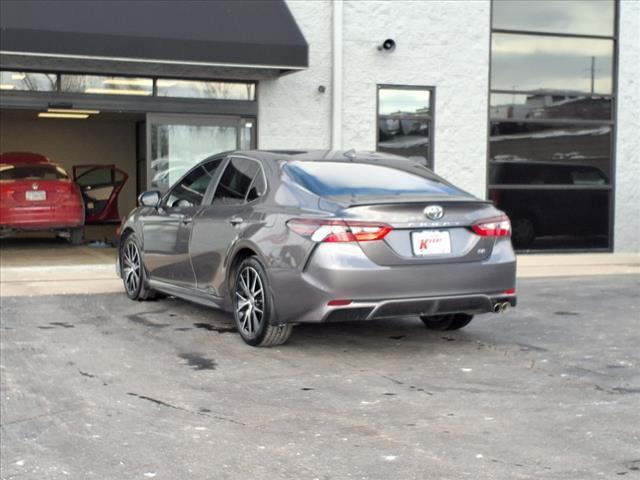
<point x="167" y="230"/>
<point x="220" y="224"/>
<point x="100" y="186"/>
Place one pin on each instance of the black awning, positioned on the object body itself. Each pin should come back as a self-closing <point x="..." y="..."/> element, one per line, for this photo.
<point x="260" y="34"/>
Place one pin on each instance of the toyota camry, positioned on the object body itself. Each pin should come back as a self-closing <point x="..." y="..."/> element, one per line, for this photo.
<point x="285" y="237"/>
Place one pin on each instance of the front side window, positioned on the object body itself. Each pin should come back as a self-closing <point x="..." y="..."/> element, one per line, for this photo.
<point x="191" y="189"/>
<point x="236" y="182"/>
<point x="405" y="122"/>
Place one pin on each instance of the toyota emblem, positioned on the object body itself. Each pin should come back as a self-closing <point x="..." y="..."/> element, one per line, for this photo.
<point x="34" y="186"/>
<point x="434" y="212"/>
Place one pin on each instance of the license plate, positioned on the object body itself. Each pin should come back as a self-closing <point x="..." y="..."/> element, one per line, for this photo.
<point x="431" y="242"/>
<point x="36" y="195"/>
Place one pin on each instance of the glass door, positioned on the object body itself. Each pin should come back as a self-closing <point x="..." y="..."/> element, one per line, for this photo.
<point x="177" y="142"/>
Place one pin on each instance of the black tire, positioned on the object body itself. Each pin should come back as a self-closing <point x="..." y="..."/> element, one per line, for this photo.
<point x="523" y="231"/>
<point x="76" y="236"/>
<point x="133" y="271"/>
<point x="253" y="306"/>
<point x="452" y="321"/>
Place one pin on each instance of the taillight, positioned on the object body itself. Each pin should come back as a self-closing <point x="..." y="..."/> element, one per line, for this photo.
<point x="320" y="230"/>
<point x="493" y="227"/>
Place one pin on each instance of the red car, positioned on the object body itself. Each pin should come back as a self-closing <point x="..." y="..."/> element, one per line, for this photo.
<point x="38" y="195"/>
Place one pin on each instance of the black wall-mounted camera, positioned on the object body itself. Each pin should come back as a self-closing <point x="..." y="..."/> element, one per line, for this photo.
<point x="389" y="45"/>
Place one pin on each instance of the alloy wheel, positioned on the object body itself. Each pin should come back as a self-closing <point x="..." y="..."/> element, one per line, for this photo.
<point x="132" y="268"/>
<point x="249" y="293"/>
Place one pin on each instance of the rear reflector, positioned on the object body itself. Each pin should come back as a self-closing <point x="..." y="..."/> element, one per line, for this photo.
<point x="493" y="227"/>
<point x="510" y="291"/>
<point x="338" y="303"/>
<point x="320" y="230"/>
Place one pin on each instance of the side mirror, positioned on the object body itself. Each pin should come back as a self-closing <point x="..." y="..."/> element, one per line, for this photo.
<point x="149" y="199"/>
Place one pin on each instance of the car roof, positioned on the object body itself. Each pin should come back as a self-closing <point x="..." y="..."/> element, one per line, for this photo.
<point x="23" y="157"/>
<point x="316" y="155"/>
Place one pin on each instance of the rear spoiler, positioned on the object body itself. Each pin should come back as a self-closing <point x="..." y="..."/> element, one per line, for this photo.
<point x="348" y="202"/>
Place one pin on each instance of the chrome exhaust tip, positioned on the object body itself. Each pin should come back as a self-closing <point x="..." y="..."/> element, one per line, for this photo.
<point x="497" y="308"/>
<point x="504" y="307"/>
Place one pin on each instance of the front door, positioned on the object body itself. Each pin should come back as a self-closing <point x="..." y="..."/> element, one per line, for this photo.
<point x="167" y="232"/>
<point x="100" y="186"/>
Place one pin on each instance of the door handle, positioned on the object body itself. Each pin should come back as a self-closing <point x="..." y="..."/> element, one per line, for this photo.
<point x="235" y="220"/>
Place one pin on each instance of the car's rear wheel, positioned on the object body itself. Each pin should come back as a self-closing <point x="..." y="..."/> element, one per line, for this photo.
<point x="253" y="307"/>
<point x="451" y="321"/>
<point x="134" y="275"/>
<point x="76" y="236"/>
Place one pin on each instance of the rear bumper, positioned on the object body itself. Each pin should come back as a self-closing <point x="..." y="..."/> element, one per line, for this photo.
<point x="41" y="217"/>
<point x="344" y="272"/>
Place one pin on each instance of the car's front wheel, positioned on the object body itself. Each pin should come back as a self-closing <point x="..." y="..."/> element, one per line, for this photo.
<point x="133" y="272"/>
<point x="451" y="321"/>
<point x="253" y="307"/>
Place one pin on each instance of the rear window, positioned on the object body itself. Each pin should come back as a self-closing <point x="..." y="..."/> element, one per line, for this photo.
<point x="32" y="172"/>
<point x="336" y="179"/>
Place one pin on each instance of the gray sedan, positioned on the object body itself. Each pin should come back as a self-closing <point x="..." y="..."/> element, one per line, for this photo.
<point x="280" y="238"/>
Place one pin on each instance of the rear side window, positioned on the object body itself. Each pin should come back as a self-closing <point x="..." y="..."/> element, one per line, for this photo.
<point x="193" y="187"/>
<point x="338" y="179"/>
<point x="32" y="172"/>
<point x="237" y="182"/>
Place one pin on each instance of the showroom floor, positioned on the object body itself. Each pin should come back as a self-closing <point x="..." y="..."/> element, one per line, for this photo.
<point x="98" y="386"/>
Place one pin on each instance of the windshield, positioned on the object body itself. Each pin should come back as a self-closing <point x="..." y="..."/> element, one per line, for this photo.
<point x="336" y="179"/>
<point x="32" y="172"/>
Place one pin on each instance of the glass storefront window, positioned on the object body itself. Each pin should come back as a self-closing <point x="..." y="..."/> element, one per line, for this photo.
<point x="97" y="84"/>
<point x="405" y="120"/>
<point x="28" y="81"/>
<point x="587" y="17"/>
<point x="178" y="142"/>
<point x="551" y="121"/>
<point x="535" y="63"/>
<point x="548" y="106"/>
<point x="166" y="87"/>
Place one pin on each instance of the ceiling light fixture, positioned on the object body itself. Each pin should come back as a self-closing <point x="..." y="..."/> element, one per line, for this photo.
<point x="145" y="82"/>
<point x="72" y="110"/>
<point x="18" y="76"/>
<point x="76" y="116"/>
<point x="113" y="91"/>
<point x="6" y="86"/>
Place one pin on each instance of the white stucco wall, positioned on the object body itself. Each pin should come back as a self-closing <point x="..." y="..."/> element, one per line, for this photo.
<point x="627" y="194"/>
<point x="292" y="113"/>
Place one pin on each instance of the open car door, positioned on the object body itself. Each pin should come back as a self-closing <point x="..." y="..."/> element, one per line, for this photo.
<point x="100" y="186"/>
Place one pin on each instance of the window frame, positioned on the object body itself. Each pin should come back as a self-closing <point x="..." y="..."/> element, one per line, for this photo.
<point x="611" y="186"/>
<point x="213" y="181"/>
<point x="432" y="103"/>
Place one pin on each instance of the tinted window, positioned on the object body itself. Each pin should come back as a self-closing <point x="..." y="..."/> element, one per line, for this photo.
<point x="404" y="122"/>
<point x="32" y="172"/>
<point x="235" y="182"/>
<point x="360" y="179"/>
<point x="543" y="106"/>
<point x="193" y="187"/>
<point x="532" y="62"/>
<point x="534" y="143"/>
<point x="591" y="17"/>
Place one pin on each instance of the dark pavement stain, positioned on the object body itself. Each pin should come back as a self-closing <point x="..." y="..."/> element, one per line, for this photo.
<point x="205" y="410"/>
<point x="139" y="318"/>
<point x="448" y="339"/>
<point x="85" y="374"/>
<point x="524" y="347"/>
<point x="182" y="329"/>
<point x="623" y="390"/>
<point x="198" y="362"/>
<point x="566" y="313"/>
<point x="62" y="324"/>
<point x="215" y="328"/>
<point x="389" y="394"/>
<point x="306" y="389"/>
<point x="45" y="328"/>
<point x="397" y="337"/>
